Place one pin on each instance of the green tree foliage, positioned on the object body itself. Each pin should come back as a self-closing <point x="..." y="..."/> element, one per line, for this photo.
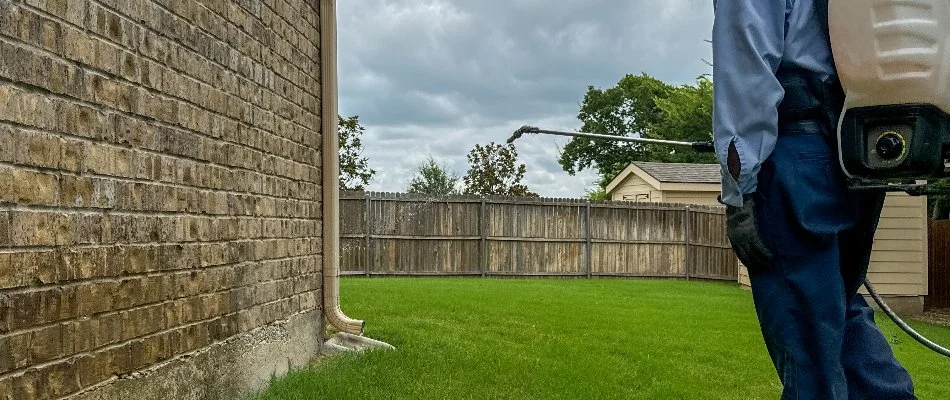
<point x="597" y="194"/>
<point x="640" y="106"/>
<point x="433" y="179"/>
<point x="686" y="115"/>
<point x="355" y="172"/>
<point x="939" y="205"/>
<point x="494" y="170"/>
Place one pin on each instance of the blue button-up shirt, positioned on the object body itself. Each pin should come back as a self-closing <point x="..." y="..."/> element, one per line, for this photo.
<point x="750" y="39"/>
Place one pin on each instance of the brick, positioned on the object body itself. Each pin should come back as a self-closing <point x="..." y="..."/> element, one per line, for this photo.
<point x="45" y="344"/>
<point x="75" y="11"/>
<point x="60" y="379"/>
<point x="127" y="97"/>
<point x="10" y="102"/>
<point x="105" y="23"/>
<point x="8" y="135"/>
<point x="104" y="194"/>
<point x="5" y="240"/>
<point x="9" y="14"/>
<point x="39" y="228"/>
<point x="6" y="384"/>
<point x="99" y="159"/>
<point x="142" y="321"/>
<point x="84" y="121"/>
<point x="85" y="229"/>
<point x="128" y="131"/>
<point x="28" y="386"/>
<point x="95" y="298"/>
<point x="107" y="56"/>
<point x="121" y="362"/>
<point x="84" y="263"/>
<point x="58" y="77"/>
<point x="71" y="156"/>
<point x="148" y="351"/>
<point x="43" y="266"/>
<point x="51" y="35"/>
<point x="107" y="329"/>
<point x="26" y="310"/>
<point x="28" y="187"/>
<point x="94" y="368"/>
<point x="9" y="275"/>
<point x="79" y="46"/>
<point x="75" y="191"/>
<point x="39" y="149"/>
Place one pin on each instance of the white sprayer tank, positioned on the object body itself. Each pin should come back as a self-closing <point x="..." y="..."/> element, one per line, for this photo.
<point x="894" y="66"/>
<point x="892" y="51"/>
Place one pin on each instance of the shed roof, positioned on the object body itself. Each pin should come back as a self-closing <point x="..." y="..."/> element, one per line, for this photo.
<point x="672" y="176"/>
<point x="682" y="173"/>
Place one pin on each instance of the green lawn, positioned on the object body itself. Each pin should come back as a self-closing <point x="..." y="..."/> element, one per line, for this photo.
<point x="565" y="339"/>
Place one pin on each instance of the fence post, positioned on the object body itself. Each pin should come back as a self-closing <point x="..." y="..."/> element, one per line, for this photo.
<point x="686" y="250"/>
<point x="368" y="231"/>
<point x="589" y="241"/>
<point x="483" y="231"/>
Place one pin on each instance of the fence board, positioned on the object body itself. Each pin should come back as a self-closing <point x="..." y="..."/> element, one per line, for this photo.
<point x="939" y="274"/>
<point x="401" y="234"/>
<point x="641" y="259"/>
<point x="535" y="257"/>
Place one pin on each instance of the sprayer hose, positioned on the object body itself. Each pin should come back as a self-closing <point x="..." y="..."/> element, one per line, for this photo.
<point x="900" y="323"/>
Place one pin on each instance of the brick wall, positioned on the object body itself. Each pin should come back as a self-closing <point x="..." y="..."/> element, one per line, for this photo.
<point x="159" y="181"/>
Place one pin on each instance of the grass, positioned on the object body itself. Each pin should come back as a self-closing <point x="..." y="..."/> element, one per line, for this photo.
<point x="565" y="339"/>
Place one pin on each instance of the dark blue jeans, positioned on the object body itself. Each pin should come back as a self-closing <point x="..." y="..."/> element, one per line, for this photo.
<point x="819" y="331"/>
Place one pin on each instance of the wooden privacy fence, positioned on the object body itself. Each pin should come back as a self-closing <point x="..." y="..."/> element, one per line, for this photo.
<point x="939" y="274"/>
<point x="401" y="234"/>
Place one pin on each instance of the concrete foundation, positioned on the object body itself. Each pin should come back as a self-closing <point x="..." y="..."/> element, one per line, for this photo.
<point x="904" y="306"/>
<point x="233" y="369"/>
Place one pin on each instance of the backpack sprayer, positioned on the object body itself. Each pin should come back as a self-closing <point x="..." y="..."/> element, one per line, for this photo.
<point x="893" y="134"/>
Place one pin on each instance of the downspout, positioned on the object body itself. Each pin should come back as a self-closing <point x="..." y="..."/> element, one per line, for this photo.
<point x="331" y="174"/>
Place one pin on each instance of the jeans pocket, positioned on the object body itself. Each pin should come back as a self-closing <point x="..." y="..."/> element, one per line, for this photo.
<point x="817" y="194"/>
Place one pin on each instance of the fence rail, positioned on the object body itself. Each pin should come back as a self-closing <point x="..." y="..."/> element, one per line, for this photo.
<point x="400" y="234"/>
<point x="939" y="273"/>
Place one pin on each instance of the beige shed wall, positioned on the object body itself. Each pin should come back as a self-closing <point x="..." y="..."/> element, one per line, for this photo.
<point x="899" y="257"/>
<point x="693" y="197"/>
<point x="636" y="189"/>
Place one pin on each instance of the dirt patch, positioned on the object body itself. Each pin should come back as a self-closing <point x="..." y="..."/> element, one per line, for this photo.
<point x="939" y="316"/>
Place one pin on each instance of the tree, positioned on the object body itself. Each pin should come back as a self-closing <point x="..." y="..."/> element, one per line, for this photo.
<point x="597" y="194"/>
<point x="355" y="172"/>
<point x="686" y="115"/>
<point x="640" y="106"/>
<point x="494" y="170"/>
<point x="433" y="179"/>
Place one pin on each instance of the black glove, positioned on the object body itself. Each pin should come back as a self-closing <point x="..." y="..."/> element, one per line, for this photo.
<point x="743" y="232"/>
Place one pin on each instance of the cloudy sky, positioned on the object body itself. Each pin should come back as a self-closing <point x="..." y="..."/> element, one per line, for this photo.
<point x="439" y="76"/>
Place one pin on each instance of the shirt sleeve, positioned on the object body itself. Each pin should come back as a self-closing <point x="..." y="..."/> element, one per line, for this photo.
<point x="748" y="42"/>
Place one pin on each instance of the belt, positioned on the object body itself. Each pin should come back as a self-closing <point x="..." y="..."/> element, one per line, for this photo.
<point x="810" y="120"/>
<point x="807" y="114"/>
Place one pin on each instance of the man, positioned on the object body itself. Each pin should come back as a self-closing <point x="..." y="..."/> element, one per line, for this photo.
<point x="805" y="239"/>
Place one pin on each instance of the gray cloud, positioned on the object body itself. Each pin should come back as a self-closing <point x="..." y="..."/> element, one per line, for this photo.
<point x="438" y="76"/>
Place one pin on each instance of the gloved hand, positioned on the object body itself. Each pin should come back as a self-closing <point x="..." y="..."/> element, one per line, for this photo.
<point x="743" y="233"/>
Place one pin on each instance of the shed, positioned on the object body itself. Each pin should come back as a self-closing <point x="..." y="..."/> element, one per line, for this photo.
<point x="899" y="260"/>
